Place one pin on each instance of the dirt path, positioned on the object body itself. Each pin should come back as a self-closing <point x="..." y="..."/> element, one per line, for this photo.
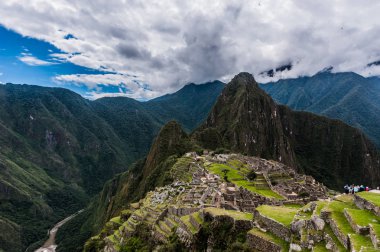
<point x="49" y="245"/>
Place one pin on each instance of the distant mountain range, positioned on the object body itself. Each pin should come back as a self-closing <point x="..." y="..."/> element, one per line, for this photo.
<point x="348" y="97"/>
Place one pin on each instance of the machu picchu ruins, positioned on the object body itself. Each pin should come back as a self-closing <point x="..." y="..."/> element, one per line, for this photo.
<point x="267" y="204"/>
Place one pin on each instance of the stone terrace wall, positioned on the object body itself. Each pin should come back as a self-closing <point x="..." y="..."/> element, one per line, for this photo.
<point x="344" y="239"/>
<point x="260" y="244"/>
<point x="365" y="204"/>
<point x="358" y="229"/>
<point x="374" y="238"/>
<point x="273" y="226"/>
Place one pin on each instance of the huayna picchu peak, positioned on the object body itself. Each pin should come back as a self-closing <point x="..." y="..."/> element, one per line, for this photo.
<point x="245" y="119"/>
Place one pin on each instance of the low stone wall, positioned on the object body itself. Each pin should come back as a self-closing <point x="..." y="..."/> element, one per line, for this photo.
<point x="260" y="244"/>
<point x="194" y="222"/>
<point x="344" y="239"/>
<point x="182" y="210"/>
<point x="374" y="238"/>
<point x="358" y="229"/>
<point x="273" y="226"/>
<point x="158" y="236"/>
<point x="365" y="204"/>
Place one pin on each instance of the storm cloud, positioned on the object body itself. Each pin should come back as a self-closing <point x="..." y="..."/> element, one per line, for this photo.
<point x="166" y="44"/>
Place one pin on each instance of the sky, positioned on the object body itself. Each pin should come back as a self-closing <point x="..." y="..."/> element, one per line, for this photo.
<point x="144" y="49"/>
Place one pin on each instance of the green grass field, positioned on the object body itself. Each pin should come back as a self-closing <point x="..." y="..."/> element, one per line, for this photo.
<point x="234" y="214"/>
<point x="284" y="215"/>
<point x="371" y="197"/>
<point x="238" y="178"/>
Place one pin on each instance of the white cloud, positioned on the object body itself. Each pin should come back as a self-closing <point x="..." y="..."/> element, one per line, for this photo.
<point x="33" y="61"/>
<point x="135" y="87"/>
<point x="171" y="42"/>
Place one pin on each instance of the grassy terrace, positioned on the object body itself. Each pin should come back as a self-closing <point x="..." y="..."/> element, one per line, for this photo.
<point x="337" y="208"/>
<point x="283" y="215"/>
<point x="238" y="178"/>
<point x="270" y="237"/>
<point x="371" y="197"/>
<point x="329" y="231"/>
<point x="183" y="170"/>
<point x="362" y="217"/>
<point x="234" y="214"/>
<point x="376" y="229"/>
<point x="186" y="220"/>
<point x="358" y="241"/>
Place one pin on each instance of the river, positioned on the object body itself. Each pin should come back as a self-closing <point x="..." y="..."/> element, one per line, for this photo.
<point x="49" y="245"/>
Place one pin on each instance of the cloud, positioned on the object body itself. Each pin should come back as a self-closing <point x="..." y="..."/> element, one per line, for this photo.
<point x="33" y="61"/>
<point x="168" y="43"/>
<point x="127" y="85"/>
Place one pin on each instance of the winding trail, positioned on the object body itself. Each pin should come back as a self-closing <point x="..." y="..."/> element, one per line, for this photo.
<point x="49" y="245"/>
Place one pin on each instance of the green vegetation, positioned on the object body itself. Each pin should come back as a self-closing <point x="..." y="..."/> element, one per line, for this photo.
<point x="270" y="237"/>
<point x="329" y="231"/>
<point x="362" y="217"/>
<point x="238" y="178"/>
<point x="281" y="214"/>
<point x="358" y="241"/>
<point x="337" y="208"/>
<point x="371" y="197"/>
<point x="234" y="214"/>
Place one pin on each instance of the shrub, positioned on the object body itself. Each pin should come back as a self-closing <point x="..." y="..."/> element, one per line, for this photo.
<point x="251" y="175"/>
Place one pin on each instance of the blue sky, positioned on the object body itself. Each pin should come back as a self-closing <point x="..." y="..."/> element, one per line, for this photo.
<point x="150" y="48"/>
<point x="40" y="68"/>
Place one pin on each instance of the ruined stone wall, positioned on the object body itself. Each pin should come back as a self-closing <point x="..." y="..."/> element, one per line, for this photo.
<point x="260" y="244"/>
<point x="365" y="204"/>
<point x="273" y="226"/>
<point x="358" y="229"/>
<point x="344" y="239"/>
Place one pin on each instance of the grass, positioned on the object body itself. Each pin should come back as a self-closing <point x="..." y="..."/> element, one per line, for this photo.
<point x="234" y="214"/>
<point x="320" y="247"/>
<point x="270" y="237"/>
<point x="362" y="217"/>
<point x="371" y="197"/>
<point x="186" y="220"/>
<point x="358" y="241"/>
<point x="337" y="208"/>
<point x="281" y="214"/>
<point x="183" y="170"/>
<point x="116" y="220"/>
<point x="238" y="178"/>
<point x="319" y="207"/>
<point x="329" y="231"/>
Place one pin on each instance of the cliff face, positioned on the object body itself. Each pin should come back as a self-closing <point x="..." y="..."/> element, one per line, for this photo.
<point x="245" y="119"/>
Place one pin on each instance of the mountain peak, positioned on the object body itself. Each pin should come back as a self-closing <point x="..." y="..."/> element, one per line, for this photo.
<point x="244" y="78"/>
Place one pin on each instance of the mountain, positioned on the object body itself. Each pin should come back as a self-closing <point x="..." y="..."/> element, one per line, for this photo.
<point x="243" y="120"/>
<point x="246" y="120"/>
<point x="235" y="202"/>
<point x="348" y="97"/>
<point x="57" y="149"/>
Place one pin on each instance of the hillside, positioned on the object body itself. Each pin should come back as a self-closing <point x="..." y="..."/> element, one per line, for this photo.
<point x="348" y="97"/>
<point x="57" y="149"/>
